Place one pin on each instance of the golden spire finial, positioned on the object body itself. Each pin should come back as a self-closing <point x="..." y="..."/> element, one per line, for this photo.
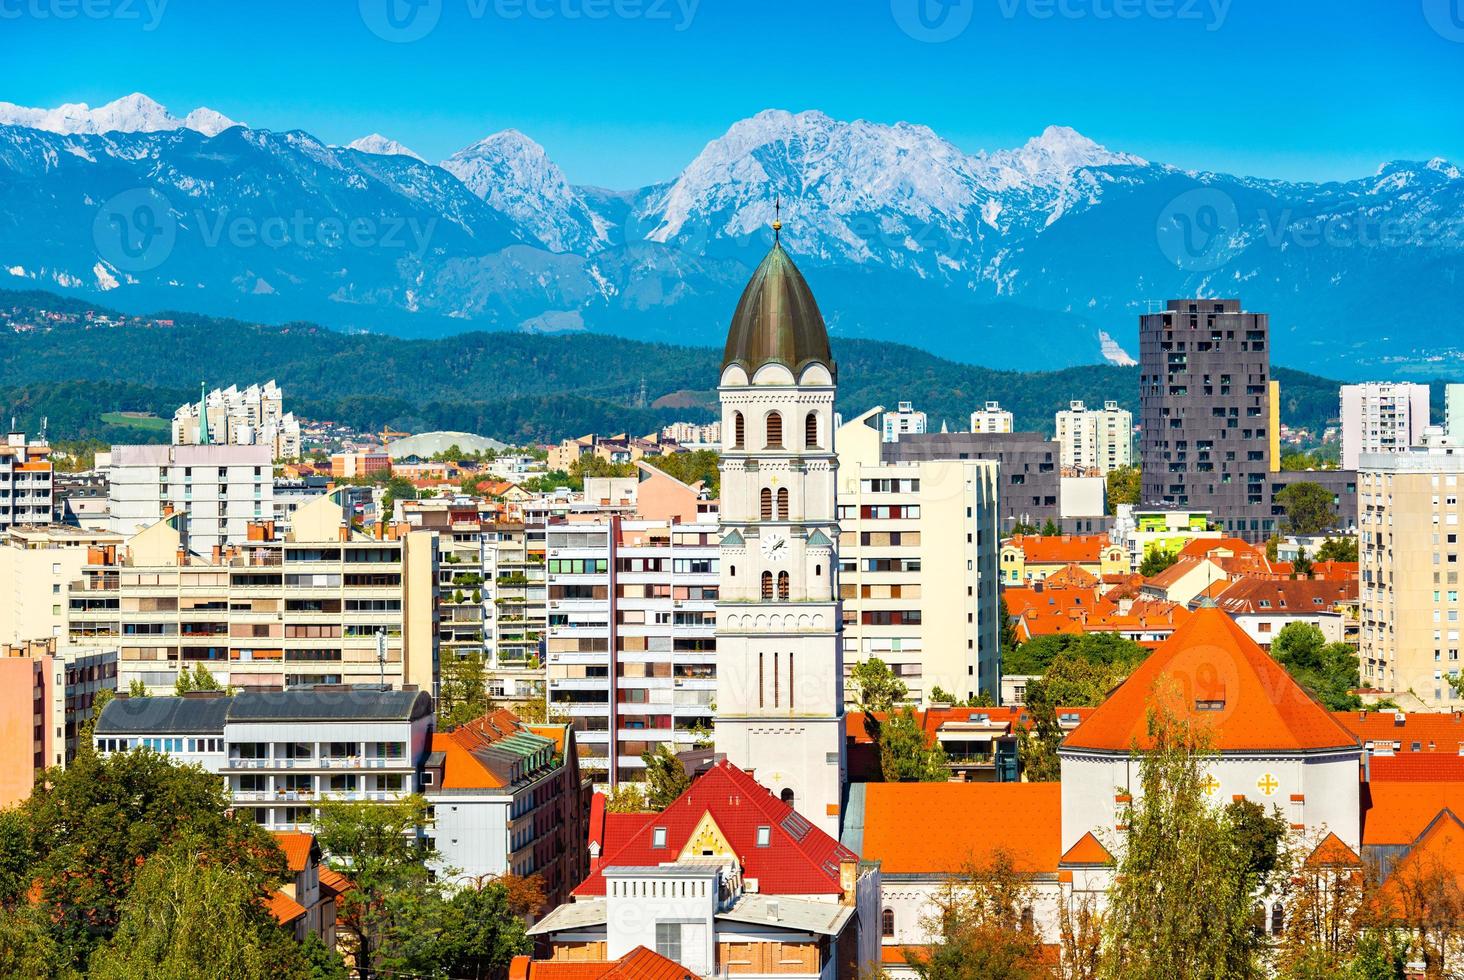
<point x="777" y="218"/>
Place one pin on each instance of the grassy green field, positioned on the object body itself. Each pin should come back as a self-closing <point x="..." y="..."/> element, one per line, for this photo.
<point x="149" y="423"/>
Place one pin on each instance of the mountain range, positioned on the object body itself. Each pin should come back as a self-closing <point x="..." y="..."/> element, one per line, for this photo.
<point x="1039" y="256"/>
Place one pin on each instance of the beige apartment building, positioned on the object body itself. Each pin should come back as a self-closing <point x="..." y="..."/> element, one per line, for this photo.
<point x="1099" y="439"/>
<point x="328" y="603"/>
<point x="38" y="563"/>
<point x="918" y="565"/>
<point x="1409" y="547"/>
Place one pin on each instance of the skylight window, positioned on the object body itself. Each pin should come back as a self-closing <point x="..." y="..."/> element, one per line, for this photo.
<point x="764" y="836"/>
<point x="658" y="837"/>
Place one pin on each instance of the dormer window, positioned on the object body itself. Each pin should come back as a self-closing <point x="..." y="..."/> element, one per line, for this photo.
<point x="764" y="836"/>
<point x="1211" y="705"/>
<point x="658" y="837"/>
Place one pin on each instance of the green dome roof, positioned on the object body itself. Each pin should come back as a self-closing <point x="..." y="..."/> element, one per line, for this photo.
<point x="777" y="320"/>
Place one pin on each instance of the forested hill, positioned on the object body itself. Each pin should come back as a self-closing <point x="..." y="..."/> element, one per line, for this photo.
<point x="510" y="386"/>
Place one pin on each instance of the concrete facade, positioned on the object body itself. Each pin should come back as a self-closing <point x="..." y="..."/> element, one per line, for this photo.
<point x="1095" y="438"/>
<point x="1382" y="417"/>
<point x="221" y="488"/>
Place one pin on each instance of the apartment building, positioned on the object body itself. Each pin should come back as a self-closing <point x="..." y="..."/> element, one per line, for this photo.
<point x="1382" y="417"/>
<point x="228" y="416"/>
<point x="1409" y="552"/>
<point x="45" y="699"/>
<point x="1099" y="439"/>
<point x="992" y="418"/>
<point x="27" y="494"/>
<point x="38" y="563"/>
<point x="903" y="421"/>
<point x="1454" y="413"/>
<point x="323" y="604"/>
<point x="918" y="573"/>
<point x="223" y="489"/>
<point x="632" y="637"/>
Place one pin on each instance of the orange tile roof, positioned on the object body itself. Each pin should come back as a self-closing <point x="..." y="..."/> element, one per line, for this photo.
<point x="1434" y="731"/>
<point x="960" y="823"/>
<point x="1219" y="548"/>
<point x="335" y="881"/>
<point x="1332" y="852"/>
<point x="297" y="848"/>
<point x="895" y="955"/>
<point x="1417" y="767"/>
<point x="1082" y="549"/>
<point x="639" y="964"/>
<point x="1397" y="812"/>
<point x="1071" y="577"/>
<point x="1275" y="597"/>
<point x="1087" y="851"/>
<point x="461" y="769"/>
<point x="284" y="908"/>
<point x="1249" y="701"/>
<point x="1440" y="846"/>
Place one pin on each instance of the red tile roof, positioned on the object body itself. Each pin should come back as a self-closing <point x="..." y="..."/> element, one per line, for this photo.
<point x="939" y="828"/>
<point x="1087" y="851"/>
<point x="1398" y="812"/>
<point x="1071" y="577"/>
<point x="801" y="859"/>
<point x="1434" y="731"/>
<point x="1417" y="767"/>
<point x="297" y="848"/>
<point x="284" y="908"/>
<point x="461" y="769"/>
<point x="1227" y="683"/>
<point x="639" y="964"/>
<point x="1082" y="549"/>
<point x="334" y="880"/>
<point x="1284" y="596"/>
<point x="1332" y="852"/>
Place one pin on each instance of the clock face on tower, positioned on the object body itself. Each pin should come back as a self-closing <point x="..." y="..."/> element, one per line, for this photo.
<point x="775" y="545"/>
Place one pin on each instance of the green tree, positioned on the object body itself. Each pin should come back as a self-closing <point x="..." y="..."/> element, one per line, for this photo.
<point x="1156" y="560"/>
<point x="17" y="851"/>
<point x="1338" y="549"/>
<point x="321" y="962"/>
<point x="1039" y="653"/>
<point x="1124" y="485"/>
<point x="1301" y="566"/>
<point x="94" y="824"/>
<point x="1009" y="639"/>
<point x="982" y="927"/>
<point x="688" y="467"/>
<point x="1181" y="902"/>
<point x="1070" y="681"/>
<point x="136" y="688"/>
<point x="380" y="847"/>
<point x="939" y="695"/>
<point x="27" y="948"/>
<point x="626" y="798"/>
<point x="666" y="778"/>
<point x="1050" y="529"/>
<point x="876" y="691"/>
<point x="1308" y="508"/>
<point x="195" y="912"/>
<point x="472" y="933"/>
<point x="199" y="679"/>
<point x="907" y="754"/>
<point x="1328" y="670"/>
<point x="462" y="690"/>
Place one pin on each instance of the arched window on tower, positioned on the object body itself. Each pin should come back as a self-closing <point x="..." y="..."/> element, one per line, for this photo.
<point x="782" y="503"/>
<point x="739" y="430"/>
<point x="783" y="591"/>
<point x="767" y="503"/>
<point x="887" y="923"/>
<point x="1278" y="919"/>
<point x="810" y="431"/>
<point x="787" y="796"/>
<point x="774" y="430"/>
<point x="767" y="585"/>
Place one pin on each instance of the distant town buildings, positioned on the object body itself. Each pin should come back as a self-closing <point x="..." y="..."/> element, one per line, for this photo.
<point x="690" y="435"/>
<point x="991" y="418"/>
<point x="1094" y="438"/>
<point x="230" y="417"/>
<point x="26" y="488"/>
<point x="222" y="489"/>
<point x="1382" y="417"/>
<point x="903" y="421"/>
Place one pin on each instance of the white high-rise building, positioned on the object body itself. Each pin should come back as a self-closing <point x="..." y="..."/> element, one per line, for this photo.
<point x="1093" y="438"/>
<point x="1454" y="413"/>
<point x="221" y="488"/>
<point x="1381" y="417"/>
<point x="992" y="418"/>
<point x="230" y="417"/>
<point x="904" y="422"/>
<point x="780" y="672"/>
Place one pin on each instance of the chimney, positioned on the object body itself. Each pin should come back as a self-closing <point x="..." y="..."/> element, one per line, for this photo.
<point x="773" y="910"/>
<point x="380" y="530"/>
<point x="182" y="555"/>
<point x="345" y="531"/>
<point x="848" y="878"/>
<point x="218" y="554"/>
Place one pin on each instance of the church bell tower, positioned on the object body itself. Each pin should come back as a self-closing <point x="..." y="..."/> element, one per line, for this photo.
<point x="780" y="672"/>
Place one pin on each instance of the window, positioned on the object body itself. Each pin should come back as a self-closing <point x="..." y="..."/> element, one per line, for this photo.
<point x="887" y="923"/>
<point x="764" y="836"/>
<point x="784" y="592"/>
<point x="810" y="431"/>
<point x="658" y="837"/>
<point x="668" y="940"/>
<point x="767" y="586"/>
<point x="767" y="503"/>
<point x="739" y="430"/>
<point x="787" y="796"/>
<point x="774" y="431"/>
<point x="782" y="503"/>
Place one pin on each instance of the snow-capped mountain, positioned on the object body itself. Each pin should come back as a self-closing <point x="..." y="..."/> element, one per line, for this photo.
<point x="1038" y="255"/>
<point x="514" y="175"/>
<point x="381" y="146"/>
<point x="135" y="113"/>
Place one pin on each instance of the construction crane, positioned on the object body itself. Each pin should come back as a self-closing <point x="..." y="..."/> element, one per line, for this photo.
<point x="387" y="434"/>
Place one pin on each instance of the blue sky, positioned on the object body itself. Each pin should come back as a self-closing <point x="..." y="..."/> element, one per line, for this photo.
<point x="625" y="92"/>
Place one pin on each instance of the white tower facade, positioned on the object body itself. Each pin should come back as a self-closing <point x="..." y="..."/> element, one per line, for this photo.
<point x="780" y="673"/>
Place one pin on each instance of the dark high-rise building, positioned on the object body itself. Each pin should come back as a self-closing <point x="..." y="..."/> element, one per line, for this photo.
<point x="1206" y="413"/>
